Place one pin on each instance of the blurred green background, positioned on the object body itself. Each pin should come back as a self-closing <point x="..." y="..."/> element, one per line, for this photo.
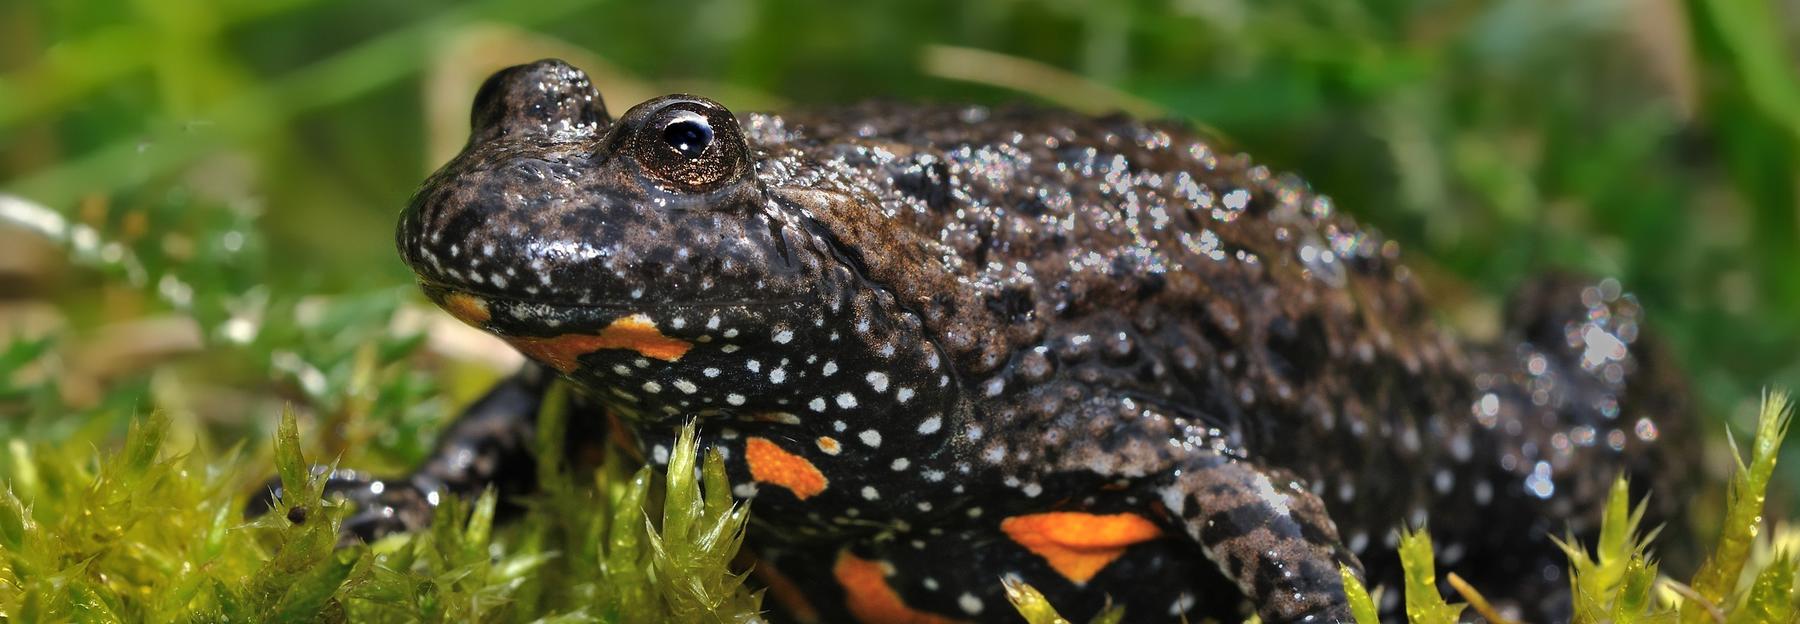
<point x="197" y="196"/>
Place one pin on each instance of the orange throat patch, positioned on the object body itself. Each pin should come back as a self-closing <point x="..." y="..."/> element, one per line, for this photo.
<point x="636" y="333"/>
<point x="467" y="308"/>
<point x="1079" y="545"/>
<point x="769" y="463"/>
<point x="871" y="599"/>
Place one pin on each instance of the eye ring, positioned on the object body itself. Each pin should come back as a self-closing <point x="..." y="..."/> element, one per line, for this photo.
<point x="686" y="144"/>
<point x="689" y="135"/>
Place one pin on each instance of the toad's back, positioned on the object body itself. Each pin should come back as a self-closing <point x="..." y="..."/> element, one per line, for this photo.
<point x="1057" y="255"/>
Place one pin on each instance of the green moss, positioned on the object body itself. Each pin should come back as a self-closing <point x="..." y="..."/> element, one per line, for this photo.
<point x="1617" y="582"/>
<point x="151" y="534"/>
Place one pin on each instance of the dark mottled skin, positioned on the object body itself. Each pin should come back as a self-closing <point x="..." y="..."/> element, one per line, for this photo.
<point x="959" y="316"/>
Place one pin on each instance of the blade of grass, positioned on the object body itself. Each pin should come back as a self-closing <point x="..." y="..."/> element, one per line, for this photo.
<point x="360" y="69"/>
<point x="1423" y="604"/>
<point x="1361" y="606"/>
<point x="1718" y="576"/>
<point x="1771" y="596"/>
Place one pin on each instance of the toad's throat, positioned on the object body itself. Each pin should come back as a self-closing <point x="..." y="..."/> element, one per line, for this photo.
<point x="636" y="332"/>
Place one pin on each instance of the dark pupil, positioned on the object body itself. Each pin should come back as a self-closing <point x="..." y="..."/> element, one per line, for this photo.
<point x="688" y="136"/>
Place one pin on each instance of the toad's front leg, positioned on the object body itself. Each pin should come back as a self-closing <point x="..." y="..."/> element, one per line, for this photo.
<point x="1265" y="531"/>
<point x="489" y="445"/>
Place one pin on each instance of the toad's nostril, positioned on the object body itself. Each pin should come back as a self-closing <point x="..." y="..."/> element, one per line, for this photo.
<point x="548" y="99"/>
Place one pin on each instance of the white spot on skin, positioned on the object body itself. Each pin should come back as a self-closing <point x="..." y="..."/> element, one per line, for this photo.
<point x="660" y="453"/>
<point x="869" y="493"/>
<point x="652" y="387"/>
<point x="817" y="404"/>
<point x="1033" y="489"/>
<point x="933" y="476"/>
<point x="710" y="372"/>
<point x="744" y="490"/>
<point x="753" y="365"/>
<point x="900" y="463"/>
<point x="734" y="399"/>
<point x="931" y="425"/>
<point x="783" y="336"/>
<point x="878" y="381"/>
<point x="846" y="400"/>
<point x="839" y="426"/>
<point x="1460" y="448"/>
<point x="1266" y="491"/>
<point x="929" y="583"/>
<point x="778" y="375"/>
<point x="685" y="386"/>
<point x="1484" y="492"/>
<point x="730" y="333"/>
<point x="1453" y="554"/>
<point x="1443" y="481"/>
<point x="903" y="395"/>
<point x="969" y="603"/>
<point x="1540" y="483"/>
<point x="870" y="437"/>
<point x="830" y="368"/>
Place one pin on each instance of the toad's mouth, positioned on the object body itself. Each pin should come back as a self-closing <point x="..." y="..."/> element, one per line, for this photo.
<point x="559" y="335"/>
<point x="511" y="315"/>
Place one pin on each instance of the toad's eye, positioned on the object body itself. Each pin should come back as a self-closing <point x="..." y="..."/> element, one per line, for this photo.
<point x="686" y="144"/>
<point x="690" y="136"/>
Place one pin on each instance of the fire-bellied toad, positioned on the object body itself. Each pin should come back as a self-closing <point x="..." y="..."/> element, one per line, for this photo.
<point x="942" y="346"/>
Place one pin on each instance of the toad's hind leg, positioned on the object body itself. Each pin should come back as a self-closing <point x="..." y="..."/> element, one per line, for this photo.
<point x="1267" y="533"/>
<point x="489" y="445"/>
<point x="1260" y="525"/>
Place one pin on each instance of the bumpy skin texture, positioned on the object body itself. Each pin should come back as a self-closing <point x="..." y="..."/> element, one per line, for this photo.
<point x="942" y="346"/>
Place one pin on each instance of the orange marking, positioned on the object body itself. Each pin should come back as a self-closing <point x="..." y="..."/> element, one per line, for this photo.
<point x="869" y="597"/>
<point x="1078" y="545"/>
<point x="636" y="332"/>
<point x="770" y="464"/>
<point x="786" y="592"/>
<point x="467" y="308"/>
<point x="829" y="445"/>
